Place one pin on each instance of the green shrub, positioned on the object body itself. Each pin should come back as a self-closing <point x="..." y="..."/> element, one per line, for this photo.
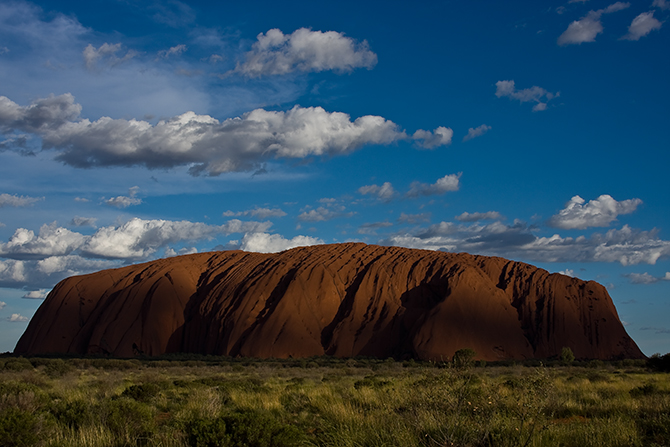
<point x="206" y="432"/>
<point x="128" y="419"/>
<point x="18" y="364"/>
<point x="371" y="382"/>
<point x="142" y="393"/>
<point x="567" y="356"/>
<point x="596" y="376"/>
<point x="596" y="364"/>
<point x="73" y="414"/>
<point x="52" y="367"/>
<point x="18" y="428"/>
<point x="14" y="388"/>
<point x="55" y="367"/>
<point x="659" y="362"/>
<point x="645" y="390"/>
<point x="654" y="427"/>
<point x="246" y="428"/>
<point x="115" y="364"/>
<point x="256" y="429"/>
<point x="463" y="358"/>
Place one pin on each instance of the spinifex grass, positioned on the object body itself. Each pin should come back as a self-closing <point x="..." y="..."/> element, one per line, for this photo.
<point x="326" y="402"/>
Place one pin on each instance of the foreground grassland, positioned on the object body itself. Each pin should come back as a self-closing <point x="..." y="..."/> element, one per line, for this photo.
<point x="326" y="402"/>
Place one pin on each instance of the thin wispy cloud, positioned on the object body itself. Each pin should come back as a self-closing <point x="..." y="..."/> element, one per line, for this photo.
<point x="588" y="27"/>
<point x="384" y="192"/>
<point x="172" y="51"/>
<point x="474" y="217"/>
<point x="259" y="213"/>
<point x="534" y="94"/>
<point x="107" y="54"/>
<point x="646" y="278"/>
<point x="476" y="132"/>
<point x="13" y="200"/>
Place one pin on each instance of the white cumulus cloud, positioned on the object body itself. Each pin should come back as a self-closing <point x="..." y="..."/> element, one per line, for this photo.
<point x="626" y="246"/>
<point x="276" y="53"/>
<point x="642" y="25"/>
<point x="50" y="241"/>
<point x="662" y="4"/>
<point x="125" y="201"/>
<point x="135" y="239"/>
<point x="596" y="213"/>
<point x="12" y="271"/>
<point x="430" y="140"/>
<point x="17" y="318"/>
<point x="272" y="243"/>
<point x="588" y="27"/>
<point x="200" y="141"/>
<point x="138" y="238"/>
<point x="62" y="266"/>
<point x="447" y="183"/>
<point x="39" y="294"/>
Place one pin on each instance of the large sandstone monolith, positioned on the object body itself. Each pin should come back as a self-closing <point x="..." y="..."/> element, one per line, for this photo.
<point x="342" y="300"/>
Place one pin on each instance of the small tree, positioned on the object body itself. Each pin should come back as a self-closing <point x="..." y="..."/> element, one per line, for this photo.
<point x="567" y="357"/>
<point x="463" y="358"/>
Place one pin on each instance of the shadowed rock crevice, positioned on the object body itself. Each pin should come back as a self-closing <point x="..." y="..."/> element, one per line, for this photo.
<point x="342" y="299"/>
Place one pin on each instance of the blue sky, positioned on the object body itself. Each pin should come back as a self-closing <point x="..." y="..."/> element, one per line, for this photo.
<point x="536" y="131"/>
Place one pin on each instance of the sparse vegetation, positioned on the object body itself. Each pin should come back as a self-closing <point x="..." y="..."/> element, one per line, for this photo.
<point x="220" y="401"/>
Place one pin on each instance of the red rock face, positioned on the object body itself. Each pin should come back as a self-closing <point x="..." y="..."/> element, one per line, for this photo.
<point x="342" y="300"/>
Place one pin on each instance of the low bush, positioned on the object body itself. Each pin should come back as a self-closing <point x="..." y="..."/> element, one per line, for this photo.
<point x="259" y="429"/>
<point x="202" y="432"/>
<point x="658" y="362"/>
<point x="52" y="367"/>
<point x="18" y="364"/>
<point x="143" y="392"/>
<point x="647" y="389"/>
<point x="73" y="414"/>
<point x="244" y="428"/>
<point x="371" y="382"/>
<point x="130" y="421"/>
<point x="18" y="428"/>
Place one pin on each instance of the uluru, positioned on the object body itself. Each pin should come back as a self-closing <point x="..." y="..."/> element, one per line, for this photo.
<point x="343" y="300"/>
